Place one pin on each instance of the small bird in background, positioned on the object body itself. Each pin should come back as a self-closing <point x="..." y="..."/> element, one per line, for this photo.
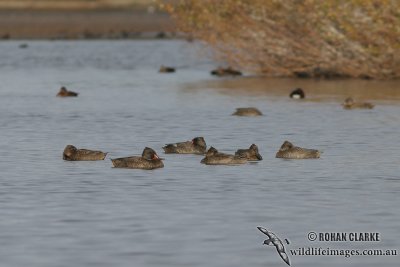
<point x="164" y="69"/>
<point x="64" y="92"/>
<point x="297" y="93"/>
<point x="349" y="103"/>
<point x="273" y="240"/>
<point x="247" y="112"/>
<point x="229" y="71"/>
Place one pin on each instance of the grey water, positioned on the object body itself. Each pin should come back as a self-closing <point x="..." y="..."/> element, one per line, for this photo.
<point x="58" y="213"/>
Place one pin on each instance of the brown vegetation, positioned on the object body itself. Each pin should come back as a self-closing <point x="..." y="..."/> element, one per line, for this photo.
<point x="304" y="38"/>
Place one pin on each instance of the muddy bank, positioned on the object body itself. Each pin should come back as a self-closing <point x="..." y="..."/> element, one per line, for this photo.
<point x="84" y="24"/>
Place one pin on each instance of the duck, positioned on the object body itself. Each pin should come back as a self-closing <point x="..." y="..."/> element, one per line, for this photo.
<point x="196" y="146"/>
<point x="148" y="161"/>
<point x="248" y="112"/>
<point x="289" y="151"/>
<point x="71" y="153"/>
<point x="349" y="103"/>
<point x="225" y="72"/>
<point x="250" y="154"/>
<point x="64" y="92"/>
<point x="213" y="157"/>
<point x="164" y="69"/>
<point x="297" y="93"/>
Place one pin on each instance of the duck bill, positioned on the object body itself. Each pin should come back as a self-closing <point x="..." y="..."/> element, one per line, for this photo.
<point x="259" y="157"/>
<point x="155" y="156"/>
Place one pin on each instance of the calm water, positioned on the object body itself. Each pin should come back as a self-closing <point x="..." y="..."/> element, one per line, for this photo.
<point x="57" y="213"/>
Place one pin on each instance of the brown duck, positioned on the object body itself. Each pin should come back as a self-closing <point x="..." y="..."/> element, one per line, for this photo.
<point x="247" y="112"/>
<point x="249" y="154"/>
<point x="350" y="104"/>
<point x="213" y="157"/>
<point x="289" y="151"/>
<point x="148" y="161"/>
<point x="64" y="92"/>
<point x="71" y="153"/>
<point x="225" y="72"/>
<point x="196" y="146"/>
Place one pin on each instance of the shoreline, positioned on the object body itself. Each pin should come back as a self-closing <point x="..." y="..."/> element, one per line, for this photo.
<point x="85" y="24"/>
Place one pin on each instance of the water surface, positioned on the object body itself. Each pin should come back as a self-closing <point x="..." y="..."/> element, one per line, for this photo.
<point x="58" y="213"/>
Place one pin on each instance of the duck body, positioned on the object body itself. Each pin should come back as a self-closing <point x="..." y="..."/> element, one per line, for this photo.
<point x="148" y="161"/>
<point x="349" y="103"/>
<point x="71" y="153"/>
<point x="213" y="157"/>
<point x="225" y="72"/>
<point x="248" y="112"/>
<point x="298" y="93"/>
<point x="137" y="163"/>
<point x="289" y="151"/>
<point x="196" y="146"/>
<point x="250" y="154"/>
<point x="65" y="93"/>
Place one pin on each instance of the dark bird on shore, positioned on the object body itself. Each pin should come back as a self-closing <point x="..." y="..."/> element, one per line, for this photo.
<point x="349" y="103"/>
<point x="64" y="92"/>
<point x="71" y="153"/>
<point x="225" y="72"/>
<point x="196" y="146"/>
<point x="250" y="154"/>
<point x="298" y="93"/>
<point x="289" y="151"/>
<point x="273" y="240"/>
<point x="164" y="69"/>
<point x="247" y="112"/>
<point x="148" y="161"/>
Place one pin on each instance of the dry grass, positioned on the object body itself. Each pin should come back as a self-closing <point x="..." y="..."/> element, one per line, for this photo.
<point x="307" y="38"/>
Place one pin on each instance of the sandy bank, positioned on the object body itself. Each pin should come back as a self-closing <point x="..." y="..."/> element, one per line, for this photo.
<point x="84" y="24"/>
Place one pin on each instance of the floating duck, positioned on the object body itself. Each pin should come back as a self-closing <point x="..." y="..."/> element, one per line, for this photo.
<point x="148" y="161"/>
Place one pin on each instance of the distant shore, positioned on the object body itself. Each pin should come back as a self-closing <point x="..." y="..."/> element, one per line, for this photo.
<point x="84" y="24"/>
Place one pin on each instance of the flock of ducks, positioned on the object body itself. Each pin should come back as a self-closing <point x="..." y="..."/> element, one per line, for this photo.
<point x="150" y="160"/>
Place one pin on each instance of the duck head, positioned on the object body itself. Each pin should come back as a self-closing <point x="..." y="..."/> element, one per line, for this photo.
<point x="150" y="154"/>
<point x="211" y="151"/>
<point x="199" y="141"/>
<point x="254" y="149"/>
<point x="349" y="101"/>
<point x="286" y="146"/>
<point x="69" y="151"/>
